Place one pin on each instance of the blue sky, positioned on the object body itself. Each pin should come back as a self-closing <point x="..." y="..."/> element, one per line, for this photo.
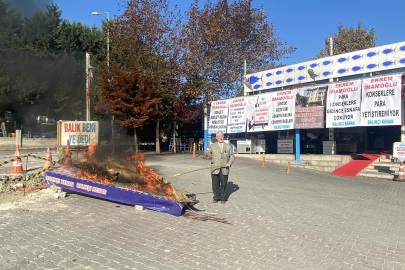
<point x="303" y="24"/>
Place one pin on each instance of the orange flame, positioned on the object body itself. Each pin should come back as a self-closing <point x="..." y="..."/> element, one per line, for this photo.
<point x="149" y="176"/>
<point x="169" y="192"/>
<point x="92" y="150"/>
<point x="89" y="157"/>
<point x="84" y="174"/>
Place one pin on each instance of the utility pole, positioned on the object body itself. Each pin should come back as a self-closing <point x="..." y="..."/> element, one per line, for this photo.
<point x="244" y="77"/>
<point x="87" y="86"/>
<point x="331" y="130"/>
<point x="244" y="93"/>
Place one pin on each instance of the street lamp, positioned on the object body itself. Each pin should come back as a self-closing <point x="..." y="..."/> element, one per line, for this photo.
<point x="311" y="73"/>
<point x="108" y="34"/>
<point x="249" y="85"/>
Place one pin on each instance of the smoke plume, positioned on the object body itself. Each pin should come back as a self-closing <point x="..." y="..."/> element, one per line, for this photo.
<point x="28" y="7"/>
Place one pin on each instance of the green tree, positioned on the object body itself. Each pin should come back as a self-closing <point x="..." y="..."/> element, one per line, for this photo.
<point x="51" y="85"/>
<point x="10" y="30"/>
<point x="39" y="31"/>
<point x="42" y="63"/>
<point x="76" y="36"/>
<point x="349" y="40"/>
<point x="10" y="27"/>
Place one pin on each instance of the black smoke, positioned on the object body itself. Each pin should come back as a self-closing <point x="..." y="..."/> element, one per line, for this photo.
<point x="28" y="7"/>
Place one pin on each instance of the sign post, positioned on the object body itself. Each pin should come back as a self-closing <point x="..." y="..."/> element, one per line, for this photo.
<point x="297" y="147"/>
<point x="206" y="123"/>
<point x="399" y="150"/>
<point x="399" y="153"/>
<point x="285" y="146"/>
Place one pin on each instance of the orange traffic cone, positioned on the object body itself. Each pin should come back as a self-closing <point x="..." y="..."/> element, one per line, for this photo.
<point x="48" y="157"/>
<point x="288" y="168"/>
<point x="68" y="159"/>
<point x="264" y="159"/>
<point x="17" y="164"/>
<point x="401" y="171"/>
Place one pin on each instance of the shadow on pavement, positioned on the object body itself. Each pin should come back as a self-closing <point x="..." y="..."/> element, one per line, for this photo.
<point x="231" y="188"/>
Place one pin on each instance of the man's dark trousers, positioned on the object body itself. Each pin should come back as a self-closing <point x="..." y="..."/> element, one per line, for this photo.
<point x="219" y="182"/>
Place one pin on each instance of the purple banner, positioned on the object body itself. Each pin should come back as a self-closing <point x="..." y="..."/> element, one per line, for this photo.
<point x="122" y="195"/>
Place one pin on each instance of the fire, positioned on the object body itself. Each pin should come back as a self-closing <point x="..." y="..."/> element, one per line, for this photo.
<point x="84" y="174"/>
<point x="169" y="192"/>
<point x="149" y="176"/>
<point x="150" y="181"/>
<point x="138" y="157"/>
<point x="90" y="156"/>
<point x="92" y="150"/>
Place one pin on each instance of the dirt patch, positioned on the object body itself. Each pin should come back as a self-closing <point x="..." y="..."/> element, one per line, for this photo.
<point x="11" y="196"/>
<point x="19" y="199"/>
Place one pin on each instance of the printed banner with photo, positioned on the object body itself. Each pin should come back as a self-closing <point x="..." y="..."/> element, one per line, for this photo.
<point x="310" y="107"/>
<point x="237" y="115"/>
<point x="381" y="101"/>
<point x="282" y="109"/>
<point x="218" y="116"/>
<point x="259" y="110"/>
<point x="343" y="105"/>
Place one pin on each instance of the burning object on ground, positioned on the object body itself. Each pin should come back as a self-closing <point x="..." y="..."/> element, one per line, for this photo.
<point x="128" y="181"/>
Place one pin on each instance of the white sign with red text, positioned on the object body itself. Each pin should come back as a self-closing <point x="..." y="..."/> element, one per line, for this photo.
<point x="79" y="132"/>
<point x="282" y="109"/>
<point x="399" y="150"/>
<point x="237" y="115"/>
<point x="381" y="101"/>
<point x="343" y="105"/>
<point x="218" y="116"/>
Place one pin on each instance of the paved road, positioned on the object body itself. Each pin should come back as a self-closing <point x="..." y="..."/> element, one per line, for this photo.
<point x="272" y="220"/>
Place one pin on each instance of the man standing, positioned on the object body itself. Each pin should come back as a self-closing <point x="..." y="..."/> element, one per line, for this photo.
<point x="222" y="159"/>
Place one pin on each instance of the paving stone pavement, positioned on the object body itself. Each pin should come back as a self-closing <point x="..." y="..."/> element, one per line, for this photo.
<point x="272" y="220"/>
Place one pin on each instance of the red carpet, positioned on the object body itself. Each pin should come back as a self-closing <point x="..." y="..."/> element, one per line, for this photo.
<point x="356" y="165"/>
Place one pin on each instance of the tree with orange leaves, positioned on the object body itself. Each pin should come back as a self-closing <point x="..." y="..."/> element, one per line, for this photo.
<point x="186" y="62"/>
<point x="144" y="55"/>
<point x="129" y="95"/>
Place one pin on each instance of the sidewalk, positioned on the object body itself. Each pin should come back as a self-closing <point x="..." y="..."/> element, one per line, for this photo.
<point x="272" y="220"/>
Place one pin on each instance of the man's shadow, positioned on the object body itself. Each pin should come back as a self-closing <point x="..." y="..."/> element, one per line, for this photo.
<point x="231" y="188"/>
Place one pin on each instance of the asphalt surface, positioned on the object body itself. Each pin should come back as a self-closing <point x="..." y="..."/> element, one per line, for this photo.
<point x="272" y="220"/>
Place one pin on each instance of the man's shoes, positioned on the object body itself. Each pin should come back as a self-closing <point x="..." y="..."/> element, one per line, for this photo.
<point x="215" y="201"/>
<point x="223" y="202"/>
